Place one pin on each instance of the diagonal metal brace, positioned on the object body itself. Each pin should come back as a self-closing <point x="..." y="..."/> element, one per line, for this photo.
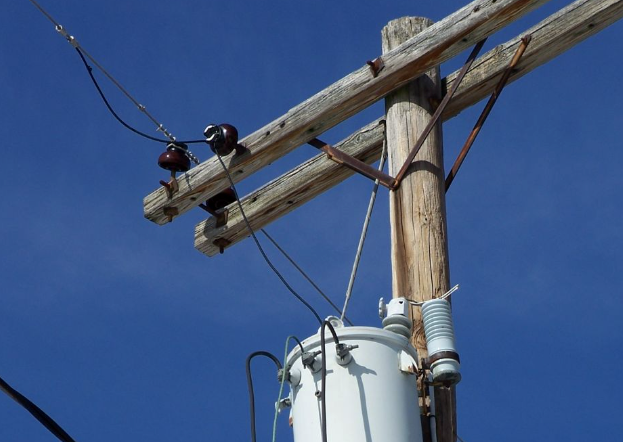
<point x="353" y="163"/>
<point x="525" y="41"/>
<point x="433" y="121"/>
<point x="386" y="180"/>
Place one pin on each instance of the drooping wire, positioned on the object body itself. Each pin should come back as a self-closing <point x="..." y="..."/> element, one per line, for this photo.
<point x="259" y="246"/>
<point x="297" y="267"/>
<point x="83" y="53"/>
<point x="112" y="111"/>
<point x="250" y="385"/>
<point x="323" y="384"/>
<point x="364" y="232"/>
<point x="299" y="343"/>
<point x="37" y="412"/>
<point x="126" y="125"/>
<point x="283" y="380"/>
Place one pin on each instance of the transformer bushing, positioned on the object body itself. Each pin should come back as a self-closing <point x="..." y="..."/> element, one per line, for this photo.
<point x="439" y="331"/>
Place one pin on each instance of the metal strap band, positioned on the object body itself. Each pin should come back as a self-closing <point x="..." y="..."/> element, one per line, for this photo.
<point x="443" y="355"/>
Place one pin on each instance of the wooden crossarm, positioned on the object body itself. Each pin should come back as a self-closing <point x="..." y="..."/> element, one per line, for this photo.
<point x="550" y="38"/>
<point x="339" y="101"/>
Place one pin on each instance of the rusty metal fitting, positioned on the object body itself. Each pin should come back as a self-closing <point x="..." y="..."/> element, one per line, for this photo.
<point x="221" y="243"/>
<point x="376" y="66"/>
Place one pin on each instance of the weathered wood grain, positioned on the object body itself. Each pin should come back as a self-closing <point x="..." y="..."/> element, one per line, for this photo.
<point x="290" y="190"/>
<point x="339" y="101"/>
<point x="417" y="207"/>
<point x="419" y="249"/>
<point x="550" y="38"/>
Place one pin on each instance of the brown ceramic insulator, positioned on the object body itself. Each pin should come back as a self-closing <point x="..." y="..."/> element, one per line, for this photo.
<point x="226" y="143"/>
<point x="174" y="159"/>
<point x="220" y="200"/>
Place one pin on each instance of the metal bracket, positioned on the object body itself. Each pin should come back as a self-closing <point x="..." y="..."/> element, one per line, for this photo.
<point x="368" y="171"/>
<point x="433" y="121"/>
<point x="525" y="41"/>
<point x="376" y="66"/>
<point x="221" y="243"/>
<point x="170" y="212"/>
<point x="353" y="163"/>
<point x="221" y="215"/>
<point x="171" y="187"/>
<point x="442" y="355"/>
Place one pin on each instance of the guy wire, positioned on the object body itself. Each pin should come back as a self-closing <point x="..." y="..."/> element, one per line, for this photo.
<point x="364" y="232"/>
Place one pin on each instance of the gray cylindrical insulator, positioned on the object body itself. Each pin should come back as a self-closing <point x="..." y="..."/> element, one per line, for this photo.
<point x="439" y="331"/>
<point x="398" y="324"/>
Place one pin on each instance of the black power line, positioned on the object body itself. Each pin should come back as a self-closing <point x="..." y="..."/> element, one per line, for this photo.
<point x="323" y="383"/>
<point x="302" y="272"/>
<point x="261" y="249"/>
<point x="117" y="117"/>
<point x="250" y="385"/>
<point x="37" y="412"/>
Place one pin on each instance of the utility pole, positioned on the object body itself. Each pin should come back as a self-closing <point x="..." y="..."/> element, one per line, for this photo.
<point x="407" y="76"/>
<point x="419" y="250"/>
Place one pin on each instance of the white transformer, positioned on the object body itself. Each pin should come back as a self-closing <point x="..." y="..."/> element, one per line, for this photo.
<point x="371" y="395"/>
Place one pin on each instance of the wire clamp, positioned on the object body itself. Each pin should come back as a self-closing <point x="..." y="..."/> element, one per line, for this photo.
<point x="283" y="404"/>
<point x="70" y="38"/>
<point x="310" y="361"/>
<point x="342" y="352"/>
<point x="444" y="296"/>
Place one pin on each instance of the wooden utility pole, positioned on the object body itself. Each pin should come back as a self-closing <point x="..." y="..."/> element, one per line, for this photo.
<point x="408" y="76"/>
<point x="419" y="250"/>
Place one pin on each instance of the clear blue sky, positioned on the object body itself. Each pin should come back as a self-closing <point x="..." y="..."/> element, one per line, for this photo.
<point x="121" y="331"/>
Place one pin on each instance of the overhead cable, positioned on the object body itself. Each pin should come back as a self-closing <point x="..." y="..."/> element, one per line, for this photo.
<point x="323" y="375"/>
<point x="37" y="412"/>
<point x="259" y="246"/>
<point x="83" y="52"/>
<point x="302" y="272"/>
<point x="250" y="385"/>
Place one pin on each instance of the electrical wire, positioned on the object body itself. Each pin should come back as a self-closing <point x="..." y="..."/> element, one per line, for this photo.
<point x="260" y="248"/>
<point x="459" y="437"/>
<point x="283" y="380"/>
<point x="83" y="53"/>
<point x="112" y="111"/>
<point x="37" y="412"/>
<point x="444" y="296"/>
<point x="364" y="232"/>
<point x="250" y="385"/>
<point x="297" y="267"/>
<point x="323" y="384"/>
<point x="44" y="12"/>
<point x="120" y="120"/>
